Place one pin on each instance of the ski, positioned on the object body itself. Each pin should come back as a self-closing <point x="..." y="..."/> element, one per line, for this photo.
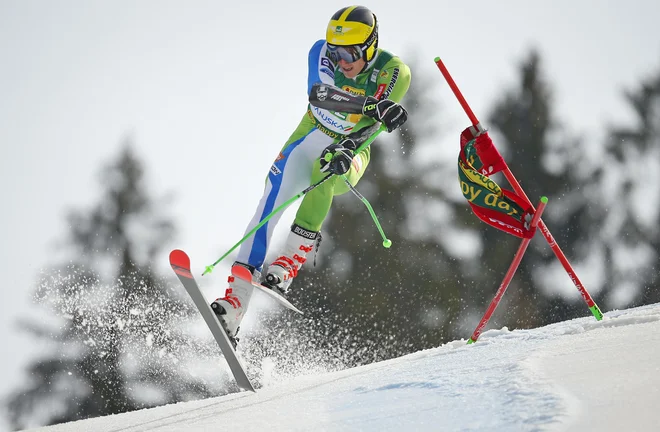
<point x="244" y="274"/>
<point x="180" y="263"/>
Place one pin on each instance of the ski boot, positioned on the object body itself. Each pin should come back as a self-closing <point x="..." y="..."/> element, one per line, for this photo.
<point x="231" y="308"/>
<point x="281" y="272"/>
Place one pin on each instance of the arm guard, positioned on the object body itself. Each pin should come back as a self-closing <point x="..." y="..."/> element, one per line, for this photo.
<point x="329" y="97"/>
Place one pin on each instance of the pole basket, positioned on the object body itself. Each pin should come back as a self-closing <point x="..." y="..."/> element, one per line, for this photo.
<point x="508" y="211"/>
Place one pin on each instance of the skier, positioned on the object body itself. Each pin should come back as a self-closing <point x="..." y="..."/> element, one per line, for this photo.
<point x="348" y="58"/>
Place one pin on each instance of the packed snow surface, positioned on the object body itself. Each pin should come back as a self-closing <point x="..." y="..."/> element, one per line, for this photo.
<point x="570" y="376"/>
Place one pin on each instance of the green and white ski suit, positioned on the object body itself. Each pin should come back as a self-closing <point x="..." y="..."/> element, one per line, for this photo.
<point x="298" y="165"/>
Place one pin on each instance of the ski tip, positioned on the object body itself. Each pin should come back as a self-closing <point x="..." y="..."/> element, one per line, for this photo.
<point x="241" y="272"/>
<point x="179" y="259"/>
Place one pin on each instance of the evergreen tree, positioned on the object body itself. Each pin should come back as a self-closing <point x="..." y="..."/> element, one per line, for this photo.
<point x="114" y="323"/>
<point x="630" y="202"/>
<point x="546" y="160"/>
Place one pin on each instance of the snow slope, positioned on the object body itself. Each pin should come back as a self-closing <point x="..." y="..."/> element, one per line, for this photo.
<point x="571" y="376"/>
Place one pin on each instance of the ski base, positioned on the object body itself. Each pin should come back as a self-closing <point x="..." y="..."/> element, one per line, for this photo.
<point x="180" y="263"/>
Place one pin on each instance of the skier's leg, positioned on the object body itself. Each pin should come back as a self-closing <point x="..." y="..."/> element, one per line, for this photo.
<point x="305" y="232"/>
<point x="316" y="204"/>
<point x="288" y="175"/>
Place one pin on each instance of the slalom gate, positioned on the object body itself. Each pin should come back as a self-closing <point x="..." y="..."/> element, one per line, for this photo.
<point x="511" y="212"/>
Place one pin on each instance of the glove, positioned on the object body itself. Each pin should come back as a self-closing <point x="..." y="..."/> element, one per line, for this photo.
<point x="340" y="156"/>
<point x="390" y="113"/>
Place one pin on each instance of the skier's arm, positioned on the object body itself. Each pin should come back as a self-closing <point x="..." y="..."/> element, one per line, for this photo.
<point x="392" y="84"/>
<point x="329" y="97"/>
<point x="321" y="69"/>
<point x="393" y="81"/>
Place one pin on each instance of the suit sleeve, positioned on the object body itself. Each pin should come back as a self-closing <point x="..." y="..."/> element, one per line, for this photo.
<point x="393" y="81"/>
<point x="321" y="69"/>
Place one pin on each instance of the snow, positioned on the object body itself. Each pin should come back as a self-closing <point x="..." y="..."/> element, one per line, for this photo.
<point x="570" y="376"/>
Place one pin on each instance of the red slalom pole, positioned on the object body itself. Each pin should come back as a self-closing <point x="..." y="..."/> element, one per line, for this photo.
<point x="593" y="307"/>
<point x="509" y="274"/>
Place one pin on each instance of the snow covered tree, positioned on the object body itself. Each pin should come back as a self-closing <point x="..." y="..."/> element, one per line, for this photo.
<point x="113" y="322"/>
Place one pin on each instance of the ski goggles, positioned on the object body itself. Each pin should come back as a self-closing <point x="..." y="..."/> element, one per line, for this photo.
<point x="349" y="53"/>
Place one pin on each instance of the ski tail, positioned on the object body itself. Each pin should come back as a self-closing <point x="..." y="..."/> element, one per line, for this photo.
<point x="243" y="273"/>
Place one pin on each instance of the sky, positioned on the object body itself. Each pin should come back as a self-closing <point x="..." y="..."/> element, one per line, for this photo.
<point x="208" y="92"/>
<point x="575" y="375"/>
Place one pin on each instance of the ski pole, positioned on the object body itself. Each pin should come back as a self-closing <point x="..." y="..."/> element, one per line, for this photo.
<point x="386" y="242"/>
<point x="208" y="269"/>
<point x="591" y="304"/>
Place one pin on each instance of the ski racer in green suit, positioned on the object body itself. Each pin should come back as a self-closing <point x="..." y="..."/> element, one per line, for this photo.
<point x="348" y="58"/>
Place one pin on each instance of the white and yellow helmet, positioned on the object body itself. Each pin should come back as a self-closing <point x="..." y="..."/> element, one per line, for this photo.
<point x="356" y="27"/>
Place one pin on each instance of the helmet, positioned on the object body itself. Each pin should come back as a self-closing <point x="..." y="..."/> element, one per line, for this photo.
<point x="354" y="26"/>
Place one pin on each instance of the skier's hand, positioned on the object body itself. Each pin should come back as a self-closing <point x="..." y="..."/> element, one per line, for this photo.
<point x="390" y="113"/>
<point x="337" y="158"/>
